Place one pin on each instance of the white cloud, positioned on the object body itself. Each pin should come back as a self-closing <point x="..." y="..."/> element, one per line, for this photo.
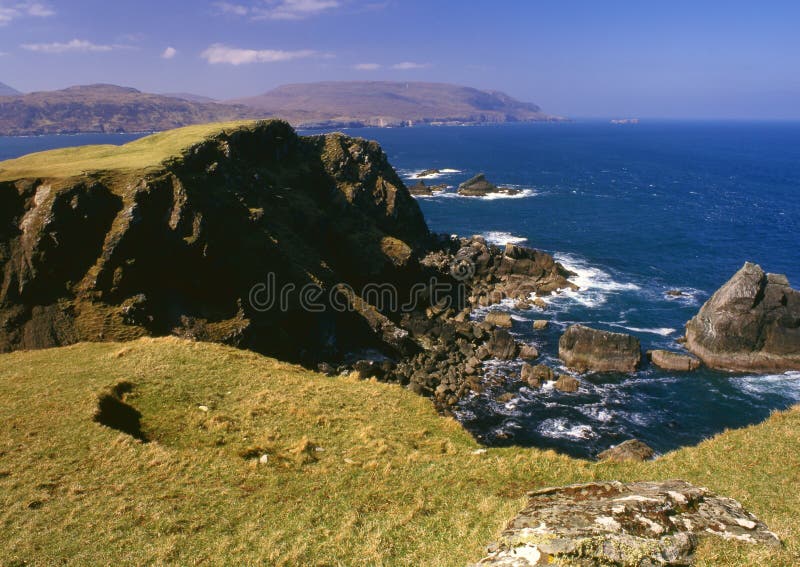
<point x="73" y="46"/>
<point x="367" y="66"/>
<point x="406" y="65"/>
<point x="278" y="9"/>
<point x="10" y="11"/>
<point x="169" y="53"/>
<point x="220" y="53"/>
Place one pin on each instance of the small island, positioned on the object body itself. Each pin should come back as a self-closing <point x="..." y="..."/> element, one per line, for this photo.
<point x="479" y="186"/>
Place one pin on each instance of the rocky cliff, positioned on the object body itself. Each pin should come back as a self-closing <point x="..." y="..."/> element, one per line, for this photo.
<point x="752" y="323"/>
<point x="176" y="246"/>
<point x="309" y="249"/>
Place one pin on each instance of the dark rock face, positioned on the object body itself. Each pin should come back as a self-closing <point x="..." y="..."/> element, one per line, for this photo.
<point x="673" y="360"/>
<point x="587" y="349"/>
<point x="752" y="323"/>
<point x="631" y="450"/>
<point x="479" y="186"/>
<point x="611" y="523"/>
<point x="177" y="250"/>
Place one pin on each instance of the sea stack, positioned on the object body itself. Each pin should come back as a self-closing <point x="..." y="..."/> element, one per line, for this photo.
<point x="751" y="324"/>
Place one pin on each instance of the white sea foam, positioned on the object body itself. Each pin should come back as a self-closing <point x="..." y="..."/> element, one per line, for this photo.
<point x="663" y="331"/>
<point x="502" y="238"/>
<point x="442" y="173"/>
<point x="595" y="284"/>
<point x="560" y="428"/>
<point x="787" y="384"/>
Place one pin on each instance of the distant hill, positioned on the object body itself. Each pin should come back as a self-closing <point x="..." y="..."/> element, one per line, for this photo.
<point x="107" y="108"/>
<point x="5" y="90"/>
<point x="190" y="97"/>
<point x="110" y="108"/>
<point x="376" y="103"/>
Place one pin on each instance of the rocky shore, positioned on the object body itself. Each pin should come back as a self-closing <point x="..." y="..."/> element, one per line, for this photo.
<point x="202" y="244"/>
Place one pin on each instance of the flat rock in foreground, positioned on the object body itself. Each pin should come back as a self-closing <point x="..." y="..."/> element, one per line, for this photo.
<point x="752" y="323"/>
<point x="611" y="523"/>
<point x="587" y="349"/>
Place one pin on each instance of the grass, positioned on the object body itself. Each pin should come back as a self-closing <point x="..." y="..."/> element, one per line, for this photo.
<point x="356" y="472"/>
<point x="143" y="153"/>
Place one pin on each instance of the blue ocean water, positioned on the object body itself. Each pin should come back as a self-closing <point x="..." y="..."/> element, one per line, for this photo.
<point x="635" y="211"/>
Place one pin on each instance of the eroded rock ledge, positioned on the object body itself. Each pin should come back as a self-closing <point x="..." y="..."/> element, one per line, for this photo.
<point x="610" y="523"/>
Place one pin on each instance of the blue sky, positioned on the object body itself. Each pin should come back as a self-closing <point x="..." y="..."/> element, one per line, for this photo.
<point x="609" y="58"/>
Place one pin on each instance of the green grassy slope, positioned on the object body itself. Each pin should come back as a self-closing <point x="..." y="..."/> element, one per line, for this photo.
<point x="357" y="472"/>
<point x="143" y="153"/>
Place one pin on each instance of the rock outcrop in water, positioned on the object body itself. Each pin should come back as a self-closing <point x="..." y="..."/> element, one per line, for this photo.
<point x="752" y="323"/>
<point x="611" y="523"/>
<point x="676" y="361"/>
<point x="479" y="186"/>
<point x="587" y="349"/>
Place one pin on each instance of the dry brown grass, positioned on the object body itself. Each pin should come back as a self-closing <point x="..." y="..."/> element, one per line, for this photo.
<point x="356" y="472"/>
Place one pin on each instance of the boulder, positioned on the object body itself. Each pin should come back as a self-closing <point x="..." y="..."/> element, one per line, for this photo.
<point x="540" y="303"/>
<point x="502" y="345"/>
<point x="479" y="186"/>
<point x="567" y="383"/>
<point x="535" y="376"/>
<point x="669" y="360"/>
<point x="419" y="188"/>
<point x="751" y="324"/>
<point x="427" y="173"/>
<point x="528" y="352"/>
<point x="540" y="324"/>
<point x="611" y="523"/>
<point x="587" y="349"/>
<point x="499" y="319"/>
<point x="630" y="450"/>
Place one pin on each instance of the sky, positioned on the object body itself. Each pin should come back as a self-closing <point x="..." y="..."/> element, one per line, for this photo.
<point x="699" y="59"/>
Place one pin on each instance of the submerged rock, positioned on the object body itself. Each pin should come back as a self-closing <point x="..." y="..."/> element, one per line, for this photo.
<point x="669" y="360"/>
<point x="479" y="186"/>
<point x="611" y="523"/>
<point x="584" y="349"/>
<point x="630" y="450"/>
<point x="752" y="323"/>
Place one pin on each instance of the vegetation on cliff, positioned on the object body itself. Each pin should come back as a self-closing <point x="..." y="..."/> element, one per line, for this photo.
<point x="249" y="460"/>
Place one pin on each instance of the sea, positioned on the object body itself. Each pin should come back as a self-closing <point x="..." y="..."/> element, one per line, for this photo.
<point x="635" y="211"/>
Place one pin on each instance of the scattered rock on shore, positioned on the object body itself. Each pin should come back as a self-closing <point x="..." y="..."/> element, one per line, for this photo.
<point x="752" y="323"/>
<point x="536" y="376"/>
<point x="528" y="352"/>
<point x="630" y="450"/>
<point x="587" y="349"/>
<point x="567" y="383"/>
<point x="611" y="523"/>
<point x="669" y="360"/>
<point x="499" y="319"/>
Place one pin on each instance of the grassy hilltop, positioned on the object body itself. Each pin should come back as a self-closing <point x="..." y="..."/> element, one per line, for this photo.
<point x="356" y="472"/>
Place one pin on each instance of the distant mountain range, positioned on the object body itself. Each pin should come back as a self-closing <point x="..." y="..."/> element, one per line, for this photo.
<point x="377" y="103"/>
<point x="110" y="108"/>
<point x="5" y="90"/>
